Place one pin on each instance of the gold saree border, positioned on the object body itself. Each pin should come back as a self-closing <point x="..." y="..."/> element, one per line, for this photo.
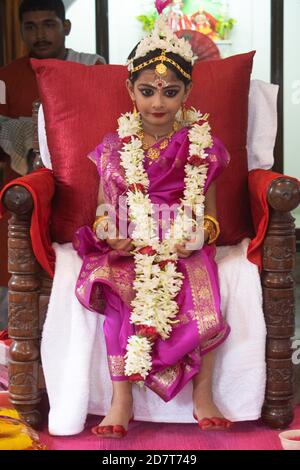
<point x="205" y="313"/>
<point x="116" y="365"/>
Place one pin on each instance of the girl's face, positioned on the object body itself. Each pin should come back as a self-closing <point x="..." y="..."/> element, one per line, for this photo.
<point x="158" y="99"/>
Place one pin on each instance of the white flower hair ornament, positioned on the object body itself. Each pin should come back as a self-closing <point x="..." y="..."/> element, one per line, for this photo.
<point x="162" y="37"/>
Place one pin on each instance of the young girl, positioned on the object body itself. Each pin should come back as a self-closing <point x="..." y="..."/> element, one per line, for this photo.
<point x="158" y="285"/>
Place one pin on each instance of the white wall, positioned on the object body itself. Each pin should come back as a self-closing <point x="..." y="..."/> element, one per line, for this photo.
<point x="292" y="91"/>
<point x="82" y="14"/>
<point x="252" y="31"/>
<point x="125" y="31"/>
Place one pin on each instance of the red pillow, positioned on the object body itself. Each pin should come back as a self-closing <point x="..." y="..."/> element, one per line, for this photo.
<point x="82" y="104"/>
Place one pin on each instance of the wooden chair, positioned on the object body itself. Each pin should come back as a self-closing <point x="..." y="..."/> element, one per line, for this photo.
<point x="30" y="287"/>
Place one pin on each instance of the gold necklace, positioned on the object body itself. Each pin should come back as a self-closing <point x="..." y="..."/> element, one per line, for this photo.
<point x="152" y="151"/>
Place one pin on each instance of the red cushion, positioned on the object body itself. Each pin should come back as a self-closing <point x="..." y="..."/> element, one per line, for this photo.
<point x="82" y="104"/>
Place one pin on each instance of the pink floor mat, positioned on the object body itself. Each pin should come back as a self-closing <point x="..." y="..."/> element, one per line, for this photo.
<point x="154" y="436"/>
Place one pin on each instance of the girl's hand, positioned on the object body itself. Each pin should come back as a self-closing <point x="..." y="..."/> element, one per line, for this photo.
<point x="206" y="236"/>
<point x="183" y="252"/>
<point x="120" y="245"/>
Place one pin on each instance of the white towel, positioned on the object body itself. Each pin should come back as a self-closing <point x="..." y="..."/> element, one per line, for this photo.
<point x="75" y="363"/>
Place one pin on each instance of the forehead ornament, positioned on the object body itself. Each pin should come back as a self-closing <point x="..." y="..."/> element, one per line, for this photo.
<point x="159" y="83"/>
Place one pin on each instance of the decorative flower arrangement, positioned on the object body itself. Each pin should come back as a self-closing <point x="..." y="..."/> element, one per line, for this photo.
<point x="211" y="19"/>
<point x="157" y="281"/>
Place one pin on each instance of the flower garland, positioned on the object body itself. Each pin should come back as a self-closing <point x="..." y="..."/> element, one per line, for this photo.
<point x="157" y="282"/>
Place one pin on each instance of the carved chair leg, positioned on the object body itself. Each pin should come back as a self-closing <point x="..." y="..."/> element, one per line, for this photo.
<point x="279" y="304"/>
<point x="23" y="321"/>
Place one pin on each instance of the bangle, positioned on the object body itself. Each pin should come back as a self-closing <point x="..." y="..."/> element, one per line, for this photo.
<point x="213" y="228"/>
<point x="101" y="221"/>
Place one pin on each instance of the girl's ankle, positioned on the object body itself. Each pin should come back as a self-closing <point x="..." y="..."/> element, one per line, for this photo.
<point x="122" y="401"/>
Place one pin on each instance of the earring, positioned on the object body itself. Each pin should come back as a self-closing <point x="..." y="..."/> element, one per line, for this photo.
<point x="135" y="111"/>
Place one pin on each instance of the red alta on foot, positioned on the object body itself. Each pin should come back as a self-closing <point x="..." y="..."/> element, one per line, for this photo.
<point x="213" y="424"/>
<point x="115" y="431"/>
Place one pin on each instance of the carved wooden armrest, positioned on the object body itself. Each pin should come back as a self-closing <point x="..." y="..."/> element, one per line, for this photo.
<point x="18" y="200"/>
<point x="279" y="300"/>
<point x="23" y="322"/>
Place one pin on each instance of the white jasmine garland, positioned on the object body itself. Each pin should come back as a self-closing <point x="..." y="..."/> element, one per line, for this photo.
<point x="138" y="357"/>
<point x="128" y="125"/>
<point x="157" y="281"/>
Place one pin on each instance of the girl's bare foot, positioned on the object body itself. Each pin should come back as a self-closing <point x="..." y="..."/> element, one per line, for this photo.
<point x="115" y="423"/>
<point x="209" y="416"/>
<point x="120" y="413"/>
<point x="206" y="412"/>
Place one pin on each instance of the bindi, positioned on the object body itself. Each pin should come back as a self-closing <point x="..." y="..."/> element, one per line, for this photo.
<point x="159" y="83"/>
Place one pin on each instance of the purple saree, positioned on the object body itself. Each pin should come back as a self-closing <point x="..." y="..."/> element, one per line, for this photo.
<point x="106" y="278"/>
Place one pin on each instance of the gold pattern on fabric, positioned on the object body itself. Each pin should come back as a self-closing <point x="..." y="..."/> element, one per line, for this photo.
<point x="82" y="290"/>
<point x="112" y="173"/>
<point x="164" y="144"/>
<point x="116" y="366"/>
<point x="92" y="265"/>
<point x="205" y="312"/>
<point x="182" y="319"/>
<point x="197" y="354"/>
<point x="213" y="158"/>
<point x="165" y="379"/>
<point x="204" y="293"/>
<point x="120" y="277"/>
<point x="105" y="156"/>
<point x="215" y="340"/>
<point x="153" y="153"/>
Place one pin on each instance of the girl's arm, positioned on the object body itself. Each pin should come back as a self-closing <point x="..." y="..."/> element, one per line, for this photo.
<point x="210" y="209"/>
<point x="210" y="205"/>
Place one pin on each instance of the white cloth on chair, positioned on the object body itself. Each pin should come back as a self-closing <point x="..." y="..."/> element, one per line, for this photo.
<point x="75" y="363"/>
<point x="262" y="124"/>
